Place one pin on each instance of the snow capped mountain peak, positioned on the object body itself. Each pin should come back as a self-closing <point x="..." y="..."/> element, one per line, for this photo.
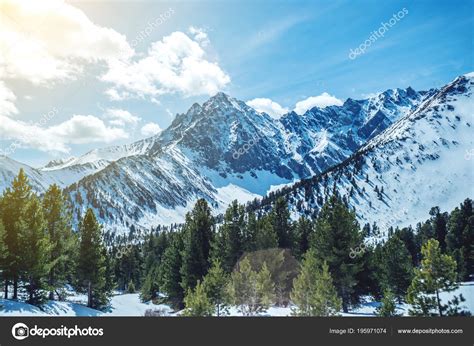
<point x="58" y="163"/>
<point x="418" y="162"/>
<point x="224" y="148"/>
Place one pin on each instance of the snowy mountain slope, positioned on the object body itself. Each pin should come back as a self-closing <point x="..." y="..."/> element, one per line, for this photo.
<point x="71" y="170"/>
<point x="419" y="162"/>
<point x="230" y="137"/>
<point x="103" y="156"/>
<point x="147" y="190"/>
<point x="65" y="172"/>
<point x="222" y="150"/>
<point x="9" y="169"/>
<point x="323" y="137"/>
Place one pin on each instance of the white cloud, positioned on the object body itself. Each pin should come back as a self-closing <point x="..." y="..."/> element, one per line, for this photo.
<point x="7" y="100"/>
<point x="121" y="117"/>
<point x="79" y="129"/>
<point x="82" y="129"/>
<point x="176" y="64"/>
<point x="322" y="101"/>
<point x="268" y="106"/>
<point x="151" y="129"/>
<point x="49" y="40"/>
<point x="199" y="35"/>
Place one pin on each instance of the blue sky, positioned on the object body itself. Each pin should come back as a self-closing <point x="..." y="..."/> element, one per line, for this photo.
<point x="283" y="51"/>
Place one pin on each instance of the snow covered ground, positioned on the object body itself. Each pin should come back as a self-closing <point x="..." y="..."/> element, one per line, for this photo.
<point x="130" y="305"/>
<point x="120" y="305"/>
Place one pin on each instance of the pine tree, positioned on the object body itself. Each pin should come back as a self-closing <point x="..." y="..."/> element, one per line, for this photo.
<point x="313" y="291"/>
<point x="197" y="302"/>
<point x="388" y="307"/>
<point x="376" y="272"/>
<point x="198" y="234"/>
<point x="58" y="222"/>
<point x="266" y="237"/>
<point x="438" y="222"/>
<point x="303" y="229"/>
<point x="154" y="249"/>
<point x="110" y="279"/>
<point x="397" y="267"/>
<point x="36" y="249"/>
<point x="231" y="233"/>
<point x="336" y="233"/>
<point x="14" y="202"/>
<point x="91" y="265"/>
<point x="436" y="274"/>
<point x="170" y="271"/>
<point x="265" y="287"/>
<point x="252" y="292"/>
<point x="215" y="283"/>
<point x="407" y="235"/>
<point x="151" y="286"/>
<point x="280" y="219"/>
<point x="460" y="238"/>
<point x="128" y="264"/>
<point x="3" y="250"/>
<point x="250" y="232"/>
<point x="131" y="287"/>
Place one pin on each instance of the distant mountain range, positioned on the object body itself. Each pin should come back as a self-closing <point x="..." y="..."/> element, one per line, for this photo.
<point x="412" y="144"/>
<point x="422" y="160"/>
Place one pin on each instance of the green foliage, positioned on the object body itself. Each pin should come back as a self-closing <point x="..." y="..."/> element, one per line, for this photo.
<point x="250" y="232"/>
<point x="198" y="234"/>
<point x="128" y="265"/>
<point x="388" y="307"/>
<point x="265" y="287"/>
<point x="131" y="287"/>
<point x="283" y="269"/>
<point x="231" y="235"/>
<point x="215" y="283"/>
<point x="313" y="291"/>
<point x="57" y="217"/>
<point x="91" y="265"/>
<point x="170" y="271"/>
<point x="437" y="273"/>
<point x="303" y="230"/>
<point x="336" y="233"/>
<point x="3" y="246"/>
<point x="280" y="220"/>
<point x="36" y="249"/>
<point x="151" y="285"/>
<point x="197" y="302"/>
<point x="40" y="253"/>
<point x="250" y="291"/>
<point x="13" y="206"/>
<point x="396" y="266"/>
<point x="266" y="237"/>
<point x="460" y="238"/>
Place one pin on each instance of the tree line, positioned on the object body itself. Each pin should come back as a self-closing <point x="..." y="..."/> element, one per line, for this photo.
<point x="40" y="252"/>
<point x="410" y="265"/>
<point x="245" y="259"/>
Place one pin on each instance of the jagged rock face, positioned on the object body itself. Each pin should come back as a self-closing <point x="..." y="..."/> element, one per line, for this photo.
<point x="423" y="160"/>
<point x="220" y="150"/>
